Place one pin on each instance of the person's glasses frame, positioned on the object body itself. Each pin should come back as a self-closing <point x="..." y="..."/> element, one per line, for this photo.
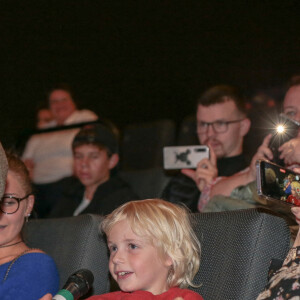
<point x="218" y="126"/>
<point x="291" y="112"/>
<point x="15" y="198"/>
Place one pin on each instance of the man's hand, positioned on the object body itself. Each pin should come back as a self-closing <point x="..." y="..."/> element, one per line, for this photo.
<point x="263" y="152"/>
<point x="290" y="151"/>
<point x="206" y="171"/>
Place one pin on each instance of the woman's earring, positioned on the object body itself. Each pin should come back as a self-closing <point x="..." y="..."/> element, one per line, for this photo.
<point x="27" y="217"/>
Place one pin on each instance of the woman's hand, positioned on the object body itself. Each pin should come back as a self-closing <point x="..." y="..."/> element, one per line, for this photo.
<point x="290" y="151"/>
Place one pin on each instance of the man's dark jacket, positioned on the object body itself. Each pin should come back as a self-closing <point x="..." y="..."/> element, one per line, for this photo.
<point x="182" y="189"/>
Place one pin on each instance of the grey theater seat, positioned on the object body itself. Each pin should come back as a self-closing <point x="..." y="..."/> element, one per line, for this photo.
<point x="187" y="133"/>
<point x="148" y="183"/>
<point x="237" y="247"/>
<point x="74" y="243"/>
<point x="142" y="144"/>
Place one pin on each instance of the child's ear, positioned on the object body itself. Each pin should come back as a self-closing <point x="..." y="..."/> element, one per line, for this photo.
<point x="113" y="161"/>
<point x="168" y="261"/>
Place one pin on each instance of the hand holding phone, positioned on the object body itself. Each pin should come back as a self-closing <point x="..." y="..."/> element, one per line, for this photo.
<point x="205" y="172"/>
<point x="290" y="151"/>
<point x="184" y="157"/>
<point x="187" y="158"/>
<point x="263" y="153"/>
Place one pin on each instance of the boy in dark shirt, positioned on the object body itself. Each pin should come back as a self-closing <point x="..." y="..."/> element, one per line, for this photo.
<point x="93" y="189"/>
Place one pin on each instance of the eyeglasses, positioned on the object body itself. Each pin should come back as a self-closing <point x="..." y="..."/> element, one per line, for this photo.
<point x="218" y="126"/>
<point x="291" y="112"/>
<point x="10" y="204"/>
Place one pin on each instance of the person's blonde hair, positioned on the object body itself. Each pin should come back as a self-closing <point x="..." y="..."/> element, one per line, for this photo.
<point x="296" y="187"/>
<point x="167" y="227"/>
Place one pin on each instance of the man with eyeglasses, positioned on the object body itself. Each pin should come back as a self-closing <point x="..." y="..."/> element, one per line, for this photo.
<point x="222" y="124"/>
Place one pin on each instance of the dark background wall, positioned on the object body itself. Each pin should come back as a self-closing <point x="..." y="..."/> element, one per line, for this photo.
<point x="134" y="61"/>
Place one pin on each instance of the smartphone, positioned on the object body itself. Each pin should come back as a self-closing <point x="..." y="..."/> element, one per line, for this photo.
<point x="184" y="157"/>
<point x="285" y="130"/>
<point x="277" y="183"/>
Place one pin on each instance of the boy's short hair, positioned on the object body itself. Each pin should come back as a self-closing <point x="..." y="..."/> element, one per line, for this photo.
<point x="168" y="228"/>
<point x="98" y="135"/>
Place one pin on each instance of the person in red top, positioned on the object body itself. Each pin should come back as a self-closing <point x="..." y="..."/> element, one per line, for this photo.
<point x="295" y="196"/>
<point x="154" y="253"/>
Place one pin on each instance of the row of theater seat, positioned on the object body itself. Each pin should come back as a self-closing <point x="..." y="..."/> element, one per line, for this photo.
<point x="236" y="250"/>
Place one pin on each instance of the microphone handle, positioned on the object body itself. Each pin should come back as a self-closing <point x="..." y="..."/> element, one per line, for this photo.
<point x="63" y="295"/>
<point x="69" y="292"/>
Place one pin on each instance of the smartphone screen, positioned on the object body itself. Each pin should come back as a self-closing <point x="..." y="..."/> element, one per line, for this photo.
<point x="276" y="182"/>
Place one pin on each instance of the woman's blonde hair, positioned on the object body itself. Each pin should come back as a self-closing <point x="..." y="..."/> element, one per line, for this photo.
<point x="167" y="227"/>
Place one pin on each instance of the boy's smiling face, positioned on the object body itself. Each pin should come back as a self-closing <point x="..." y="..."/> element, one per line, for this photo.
<point x="134" y="263"/>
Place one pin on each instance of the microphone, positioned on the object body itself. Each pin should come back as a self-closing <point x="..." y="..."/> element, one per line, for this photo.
<point x="76" y="286"/>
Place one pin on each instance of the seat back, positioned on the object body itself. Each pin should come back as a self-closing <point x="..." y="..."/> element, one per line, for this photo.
<point x="142" y="144"/>
<point x="74" y="243"/>
<point x="187" y="134"/>
<point x="237" y="247"/>
<point x="148" y="183"/>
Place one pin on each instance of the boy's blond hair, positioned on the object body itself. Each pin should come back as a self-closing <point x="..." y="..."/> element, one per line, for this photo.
<point x="168" y="228"/>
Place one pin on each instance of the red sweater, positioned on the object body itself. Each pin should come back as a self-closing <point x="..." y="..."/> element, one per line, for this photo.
<point x="171" y="294"/>
<point x="293" y="199"/>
